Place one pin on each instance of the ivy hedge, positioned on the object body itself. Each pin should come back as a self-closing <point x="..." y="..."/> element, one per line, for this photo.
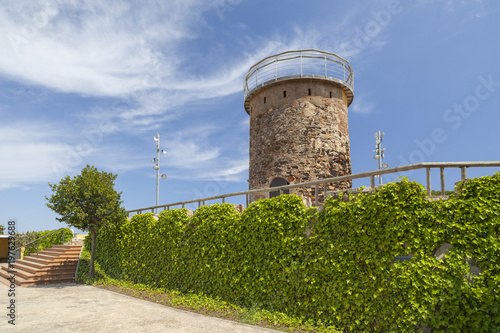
<point x="338" y="267"/>
<point x="54" y="239"/>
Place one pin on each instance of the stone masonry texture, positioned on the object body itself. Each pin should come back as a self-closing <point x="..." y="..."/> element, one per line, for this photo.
<point x="299" y="132"/>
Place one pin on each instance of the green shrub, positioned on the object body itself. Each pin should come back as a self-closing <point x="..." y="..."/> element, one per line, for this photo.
<point x="335" y="268"/>
<point x="53" y="239"/>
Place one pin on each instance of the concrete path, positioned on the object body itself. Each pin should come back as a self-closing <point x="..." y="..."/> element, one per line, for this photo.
<point x="81" y="308"/>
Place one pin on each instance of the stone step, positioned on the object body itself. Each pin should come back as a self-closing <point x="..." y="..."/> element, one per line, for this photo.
<point x="63" y="256"/>
<point x="53" y="265"/>
<point x="42" y="269"/>
<point x="67" y="247"/>
<point x="44" y="277"/>
<point x="22" y="282"/>
<point x="46" y="261"/>
<point x="5" y="276"/>
<point x="62" y="251"/>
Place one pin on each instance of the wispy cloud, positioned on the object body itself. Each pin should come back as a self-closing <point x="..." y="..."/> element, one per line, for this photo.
<point x="362" y="106"/>
<point x="131" y="51"/>
<point x="233" y="170"/>
<point x="91" y="47"/>
<point x="476" y="7"/>
<point x="134" y="55"/>
<point x="28" y="153"/>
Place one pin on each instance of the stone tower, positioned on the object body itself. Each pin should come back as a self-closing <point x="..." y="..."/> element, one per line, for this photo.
<point x="297" y="102"/>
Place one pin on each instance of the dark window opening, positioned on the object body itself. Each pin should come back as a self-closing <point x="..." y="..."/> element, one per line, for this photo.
<point x="309" y="92"/>
<point x="331" y="95"/>
<point x="278" y="182"/>
<point x="284" y="93"/>
<point x="265" y="100"/>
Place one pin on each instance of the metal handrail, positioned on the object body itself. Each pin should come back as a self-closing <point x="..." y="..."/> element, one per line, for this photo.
<point x="38" y="239"/>
<point x="371" y="174"/>
<point x="309" y="63"/>
<point x="78" y="262"/>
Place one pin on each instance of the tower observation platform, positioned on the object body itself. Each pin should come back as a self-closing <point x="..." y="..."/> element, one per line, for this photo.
<point x="296" y="65"/>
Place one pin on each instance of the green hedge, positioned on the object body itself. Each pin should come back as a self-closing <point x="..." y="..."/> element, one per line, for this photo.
<point x="336" y="267"/>
<point x="54" y="239"/>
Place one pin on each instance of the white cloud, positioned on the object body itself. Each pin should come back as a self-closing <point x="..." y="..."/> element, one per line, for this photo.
<point x="361" y="105"/>
<point x="189" y="149"/>
<point x="231" y="171"/>
<point x="454" y="5"/>
<point x="29" y="153"/>
<point x="130" y="51"/>
<point x="189" y="155"/>
<point x="135" y="53"/>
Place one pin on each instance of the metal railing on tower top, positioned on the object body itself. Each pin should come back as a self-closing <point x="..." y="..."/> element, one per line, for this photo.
<point x="298" y="65"/>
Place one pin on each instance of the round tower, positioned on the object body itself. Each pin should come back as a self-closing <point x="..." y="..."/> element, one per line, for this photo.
<point x="297" y="102"/>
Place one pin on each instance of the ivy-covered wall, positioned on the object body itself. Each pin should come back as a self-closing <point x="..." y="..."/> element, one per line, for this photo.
<point x="335" y="267"/>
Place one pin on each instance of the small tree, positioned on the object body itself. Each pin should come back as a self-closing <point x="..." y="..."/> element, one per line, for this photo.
<point x="87" y="202"/>
<point x="2" y="229"/>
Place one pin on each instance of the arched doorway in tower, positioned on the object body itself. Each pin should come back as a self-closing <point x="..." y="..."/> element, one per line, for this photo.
<point x="278" y="182"/>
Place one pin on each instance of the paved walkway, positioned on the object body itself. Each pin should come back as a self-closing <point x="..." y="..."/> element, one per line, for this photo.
<point x="81" y="308"/>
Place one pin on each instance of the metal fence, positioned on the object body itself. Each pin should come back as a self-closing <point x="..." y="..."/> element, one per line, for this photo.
<point x="299" y="64"/>
<point x="463" y="166"/>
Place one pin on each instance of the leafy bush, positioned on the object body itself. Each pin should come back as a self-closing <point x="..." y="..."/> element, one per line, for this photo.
<point x="337" y="268"/>
<point x="54" y="239"/>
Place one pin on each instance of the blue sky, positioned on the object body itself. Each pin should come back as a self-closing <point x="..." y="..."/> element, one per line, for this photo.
<point x="92" y="82"/>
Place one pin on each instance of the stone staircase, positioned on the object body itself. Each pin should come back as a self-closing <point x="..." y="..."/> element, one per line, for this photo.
<point x="53" y="265"/>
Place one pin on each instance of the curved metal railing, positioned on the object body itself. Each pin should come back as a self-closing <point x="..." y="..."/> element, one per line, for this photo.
<point x="463" y="166"/>
<point x="299" y="64"/>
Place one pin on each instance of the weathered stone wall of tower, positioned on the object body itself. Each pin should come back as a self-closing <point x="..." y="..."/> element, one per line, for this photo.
<point x="299" y="132"/>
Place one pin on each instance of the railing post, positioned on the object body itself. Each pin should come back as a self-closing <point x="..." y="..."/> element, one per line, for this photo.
<point x="464" y="172"/>
<point x="372" y="181"/>
<point x="276" y="69"/>
<point x="63" y="237"/>
<point x="246" y="198"/>
<point x="316" y="199"/>
<point x="428" y="178"/>
<point x="223" y="200"/>
<point x="37" y="249"/>
<point x="325" y="69"/>
<point x="300" y="64"/>
<point x="442" y="181"/>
